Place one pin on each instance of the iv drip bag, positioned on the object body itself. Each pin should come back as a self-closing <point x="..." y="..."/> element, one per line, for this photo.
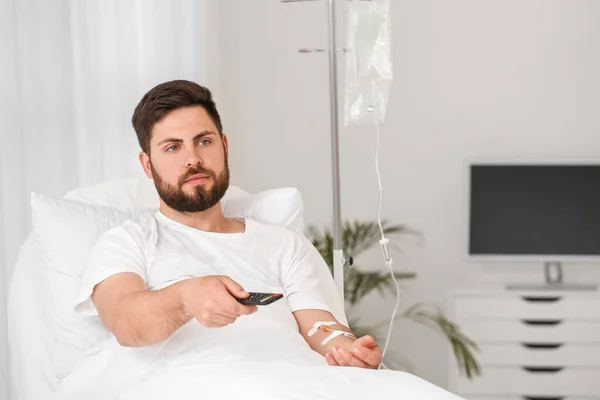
<point x="369" y="62"/>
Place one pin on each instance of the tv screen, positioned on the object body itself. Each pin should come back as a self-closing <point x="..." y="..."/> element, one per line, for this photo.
<point x="527" y="210"/>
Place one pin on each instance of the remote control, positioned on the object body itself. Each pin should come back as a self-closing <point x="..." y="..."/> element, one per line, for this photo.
<point x="260" y="299"/>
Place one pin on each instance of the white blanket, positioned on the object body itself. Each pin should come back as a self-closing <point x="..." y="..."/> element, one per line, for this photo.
<point x="283" y="381"/>
<point x="240" y="361"/>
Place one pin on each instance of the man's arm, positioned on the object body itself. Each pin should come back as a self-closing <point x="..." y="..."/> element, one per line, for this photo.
<point x="140" y="317"/>
<point x="310" y="290"/>
<point x="137" y="316"/>
<point x="342" y="350"/>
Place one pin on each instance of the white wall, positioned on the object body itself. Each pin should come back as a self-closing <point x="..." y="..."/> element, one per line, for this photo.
<point x="474" y="79"/>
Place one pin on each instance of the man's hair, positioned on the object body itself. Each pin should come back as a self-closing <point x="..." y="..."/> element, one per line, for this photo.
<point x="167" y="97"/>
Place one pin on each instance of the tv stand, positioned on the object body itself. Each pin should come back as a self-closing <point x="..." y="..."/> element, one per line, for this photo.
<point x="553" y="274"/>
<point x="533" y="345"/>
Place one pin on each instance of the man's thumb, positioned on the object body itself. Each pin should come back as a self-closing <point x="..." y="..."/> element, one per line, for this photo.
<point x="366" y="341"/>
<point x="233" y="287"/>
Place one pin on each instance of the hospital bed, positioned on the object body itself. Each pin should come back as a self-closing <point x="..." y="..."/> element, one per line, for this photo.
<point x="33" y="363"/>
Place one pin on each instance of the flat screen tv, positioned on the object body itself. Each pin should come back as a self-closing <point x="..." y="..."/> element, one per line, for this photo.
<point x="524" y="211"/>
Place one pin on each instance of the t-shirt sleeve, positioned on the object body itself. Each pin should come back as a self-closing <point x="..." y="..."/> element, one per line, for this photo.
<point x="308" y="283"/>
<point x="118" y="250"/>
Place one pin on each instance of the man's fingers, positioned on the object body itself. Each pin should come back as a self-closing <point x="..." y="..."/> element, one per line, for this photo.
<point x="338" y="357"/>
<point x="222" y="309"/>
<point x="371" y="356"/>
<point x="240" y="309"/>
<point x="230" y="303"/>
<point x="219" y="320"/>
<point x="342" y="356"/>
<point x="224" y="319"/>
<point x="247" y="310"/>
<point x="232" y="306"/>
<point x="366" y="341"/>
<point x="331" y="360"/>
<point x="367" y="350"/>
<point x="233" y="287"/>
<point x="357" y="362"/>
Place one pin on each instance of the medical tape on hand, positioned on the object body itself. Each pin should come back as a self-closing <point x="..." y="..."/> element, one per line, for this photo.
<point x="325" y="326"/>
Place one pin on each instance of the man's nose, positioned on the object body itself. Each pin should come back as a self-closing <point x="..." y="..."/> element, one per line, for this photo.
<point x="193" y="160"/>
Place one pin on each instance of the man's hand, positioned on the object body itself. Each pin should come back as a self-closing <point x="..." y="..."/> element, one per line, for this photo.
<point x="211" y="300"/>
<point x="342" y="350"/>
<point x="363" y="353"/>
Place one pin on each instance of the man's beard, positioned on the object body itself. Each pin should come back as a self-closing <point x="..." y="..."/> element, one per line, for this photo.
<point x="198" y="201"/>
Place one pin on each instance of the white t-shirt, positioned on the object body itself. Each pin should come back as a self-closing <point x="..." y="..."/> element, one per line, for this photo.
<point x="263" y="258"/>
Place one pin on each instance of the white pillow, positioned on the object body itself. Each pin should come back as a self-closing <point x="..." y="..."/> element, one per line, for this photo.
<point x="67" y="230"/>
<point x="122" y="194"/>
<point x="279" y="207"/>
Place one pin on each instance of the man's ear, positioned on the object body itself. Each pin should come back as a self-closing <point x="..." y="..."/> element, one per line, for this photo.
<point x="225" y="144"/>
<point x="145" y="161"/>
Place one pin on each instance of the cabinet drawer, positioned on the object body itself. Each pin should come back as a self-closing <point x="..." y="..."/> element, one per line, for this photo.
<point x="532" y="331"/>
<point x="522" y="382"/>
<point x="540" y="354"/>
<point x="538" y="306"/>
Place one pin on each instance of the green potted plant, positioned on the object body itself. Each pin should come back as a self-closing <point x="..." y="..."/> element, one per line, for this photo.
<point x="357" y="237"/>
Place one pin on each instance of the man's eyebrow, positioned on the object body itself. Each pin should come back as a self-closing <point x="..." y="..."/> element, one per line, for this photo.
<point x="202" y="134"/>
<point x="174" y="140"/>
<point x="169" y="140"/>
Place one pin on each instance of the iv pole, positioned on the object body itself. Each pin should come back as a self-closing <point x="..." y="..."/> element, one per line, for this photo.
<point x="338" y="252"/>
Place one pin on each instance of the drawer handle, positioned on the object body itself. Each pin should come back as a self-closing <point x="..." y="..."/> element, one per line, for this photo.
<point x="546" y="299"/>
<point x="545" y="346"/>
<point x="543" y="397"/>
<point x="542" y="322"/>
<point x="541" y="370"/>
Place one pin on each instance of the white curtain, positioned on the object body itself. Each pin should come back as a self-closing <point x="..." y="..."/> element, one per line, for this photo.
<point x="72" y="73"/>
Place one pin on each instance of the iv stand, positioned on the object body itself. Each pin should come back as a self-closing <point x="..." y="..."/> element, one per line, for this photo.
<point x="338" y="252"/>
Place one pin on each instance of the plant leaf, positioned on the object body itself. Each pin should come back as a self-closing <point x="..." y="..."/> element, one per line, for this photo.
<point x="462" y="346"/>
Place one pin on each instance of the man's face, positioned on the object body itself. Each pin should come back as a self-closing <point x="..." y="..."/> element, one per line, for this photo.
<point x="188" y="160"/>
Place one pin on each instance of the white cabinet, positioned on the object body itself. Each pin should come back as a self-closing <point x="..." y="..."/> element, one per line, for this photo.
<point x="533" y="345"/>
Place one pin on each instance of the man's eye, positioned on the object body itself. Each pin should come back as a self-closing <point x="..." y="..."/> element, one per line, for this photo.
<point x="204" y="142"/>
<point x="172" y="148"/>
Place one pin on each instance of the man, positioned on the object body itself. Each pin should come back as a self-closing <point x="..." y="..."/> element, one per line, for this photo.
<point x="187" y="265"/>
